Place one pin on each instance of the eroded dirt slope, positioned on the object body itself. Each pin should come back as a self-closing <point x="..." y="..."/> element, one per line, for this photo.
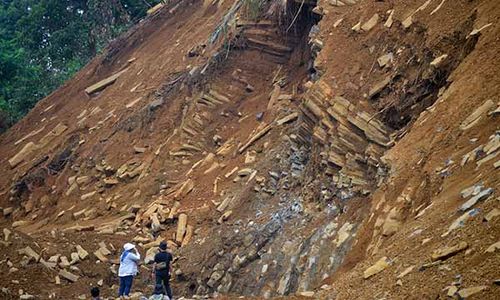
<point x="331" y="150"/>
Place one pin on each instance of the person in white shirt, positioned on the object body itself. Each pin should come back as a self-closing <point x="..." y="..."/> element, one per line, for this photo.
<point x="128" y="269"/>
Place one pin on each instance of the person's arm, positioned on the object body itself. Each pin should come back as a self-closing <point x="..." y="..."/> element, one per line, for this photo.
<point x="170" y="265"/>
<point x="136" y="256"/>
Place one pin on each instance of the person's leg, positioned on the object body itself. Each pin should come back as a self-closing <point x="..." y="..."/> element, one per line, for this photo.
<point x="166" y="282"/>
<point x="128" y="285"/>
<point x="122" y="287"/>
<point x="158" y="280"/>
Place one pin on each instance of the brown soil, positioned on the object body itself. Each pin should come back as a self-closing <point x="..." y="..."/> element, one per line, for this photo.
<point x="424" y="107"/>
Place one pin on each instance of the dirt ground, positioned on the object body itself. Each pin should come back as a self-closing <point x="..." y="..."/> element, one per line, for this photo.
<point x="158" y="105"/>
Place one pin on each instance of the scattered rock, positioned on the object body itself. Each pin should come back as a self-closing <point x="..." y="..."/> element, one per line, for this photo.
<point x="492" y="214"/>
<point x="357" y="27"/>
<point x="460" y="221"/>
<point x="307" y="294"/>
<point x="479" y="197"/>
<point x="439" y="60"/>
<point x="385" y="59"/>
<point x="88" y="195"/>
<point x="181" y="228"/>
<point x="378" y="87"/>
<point x="493" y="247"/>
<point x="100" y="256"/>
<point x="465" y="293"/>
<point x="68" y="276"/>
<point x="22" y="154"/>
<point x="138" y="149"/>
<point x="19" y="224"/>
<point x="370" y="23"/>
<point x="29" y="252"/>
<point x="6" y="234"/>
<point x="476" y="31"/>
<point x="447" y="252"/>
<point x="82" y="253"/>
<point x="452" y="290"/>
<point x="475" y="117"/>
<point x="390" y="19"/>
<point x="406" y="272"/>
<point x="101" y="85"/>
<point x="407" y="22"/>
<point x="225" y="216"/>
<point x="378" y="267"/>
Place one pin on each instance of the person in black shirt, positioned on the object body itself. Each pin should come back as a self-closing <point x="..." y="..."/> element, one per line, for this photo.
<point x="163" y="267"/>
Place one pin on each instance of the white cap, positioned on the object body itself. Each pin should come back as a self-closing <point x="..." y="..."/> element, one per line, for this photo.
<point x="128" y="246"/>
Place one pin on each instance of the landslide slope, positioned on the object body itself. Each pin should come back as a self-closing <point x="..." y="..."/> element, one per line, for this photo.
<point x="330" y="149"/>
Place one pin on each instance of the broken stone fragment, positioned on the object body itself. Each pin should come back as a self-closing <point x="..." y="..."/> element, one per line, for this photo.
<point x="370" y="23"/>
<point x="100" y="256"/>
<point x="215" y="165"/>
<point x="181" y="228"/>
<point x="185" y="189"/>
<point x="6" y="234"/>
<point x="378" y="87"/>
<point x="29" y="252"/>
<point x="465" y="293"/>
<point x="108" y="182"/>
<point x="82" y="180"/>
<point x="150" y="255"/>
<point x="447" y="252"/>
<point x="19" y="224"/>
<point x="225" y="216"/>
<point x="22" y="154"/>
<point x="475" y="117"/>
<point x="155" y="222"/>
<point x="460" y="221"/>
<point x="406" y="272"/>
<point x="479" y="197"/>
<point x="291" y="117"/>
<point x="391" y="224"/>
<point x="82" y="253"/>
<point x="492" y="214"/>
<point x="452" y="290"/>
<point x="188" y="236"/>
<point x="88" y="195"/>
<point x="407" y="22"/>
<point x="103" y="249"/>
<point x="306" y="294"/>
<point x="68" y="276"/>
<point x="390" y="19"/>
<point x="255" y="137"/>
<point x="250" y="157"/>
<point x="101" y="85"/>
<point x="225" y="203"/>
<point x="385" y="59"/>
<point x="493" y="248"/>
<point x="439" y="60"/>
<point x="173" y="210"/>
<point x="64" y="262"/>
<point x="7" y="211"/>
<point x="343" y="234"/>
<point x="378" y="267"/>
<point x="138" y="149"/>
<point x="357" y="27"/>
<point x="75" y="258"/>
<point x="245" y="172"/>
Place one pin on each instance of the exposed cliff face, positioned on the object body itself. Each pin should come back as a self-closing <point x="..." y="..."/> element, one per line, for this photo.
<point x="315" y="150"/>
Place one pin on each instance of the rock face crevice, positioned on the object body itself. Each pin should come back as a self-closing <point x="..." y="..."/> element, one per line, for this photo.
<point x="325" y="149"/>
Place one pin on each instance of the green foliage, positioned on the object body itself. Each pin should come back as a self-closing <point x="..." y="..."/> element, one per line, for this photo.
<point x="44" y="42"/>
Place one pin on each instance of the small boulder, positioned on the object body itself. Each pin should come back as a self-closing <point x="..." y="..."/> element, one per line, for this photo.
<point x="378" y="267"/>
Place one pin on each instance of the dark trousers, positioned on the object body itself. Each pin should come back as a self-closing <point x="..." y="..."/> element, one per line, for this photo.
<point x="164" y="280"/>
<point x="125" y="285"/>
